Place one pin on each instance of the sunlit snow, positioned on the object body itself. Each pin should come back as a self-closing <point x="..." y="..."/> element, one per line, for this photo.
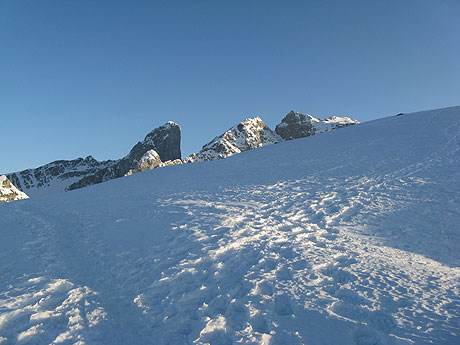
<point x="348" y="237"/>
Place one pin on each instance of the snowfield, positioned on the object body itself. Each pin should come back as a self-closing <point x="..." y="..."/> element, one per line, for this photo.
<point x="347" y="237"/>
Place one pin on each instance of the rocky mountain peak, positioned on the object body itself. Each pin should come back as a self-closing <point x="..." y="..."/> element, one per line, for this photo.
<point x="297" y="125"/>
<point x="248" y="134"/>
<point x="165" y="140"/>
<point x="160" y="145"/>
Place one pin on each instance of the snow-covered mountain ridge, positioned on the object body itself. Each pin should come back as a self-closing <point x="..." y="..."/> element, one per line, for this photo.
<point x="350" y="237"/>
<point x="161" y="148"/>
<point x="62" y="175"/>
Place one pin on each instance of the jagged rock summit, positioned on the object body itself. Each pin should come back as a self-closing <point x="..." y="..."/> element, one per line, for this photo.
<point x="160" y="145"/>
<point x="248" y="134"/>
<point x="8" y="192"/>
<point x="297" y="125"/>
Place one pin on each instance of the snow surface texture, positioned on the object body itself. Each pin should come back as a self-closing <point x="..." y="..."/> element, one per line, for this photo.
<point x="248" y="134"/>
<point x="350" y="237"/>
<point x="8" y="192"/>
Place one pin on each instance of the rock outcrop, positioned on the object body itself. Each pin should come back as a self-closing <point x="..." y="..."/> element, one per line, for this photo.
<point x="247" y="135"/>
<point x="8" y="192"/>
<point x="161" y="144"/>
<point x="150" y="160"/>
<point x="171" y="162"/>
<point x="297" y="125"/>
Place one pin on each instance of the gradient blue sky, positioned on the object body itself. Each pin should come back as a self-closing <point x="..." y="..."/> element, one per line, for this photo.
<point x="84" y="77"/>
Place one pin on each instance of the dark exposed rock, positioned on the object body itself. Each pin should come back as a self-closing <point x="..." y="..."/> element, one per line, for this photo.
<point x="297" y="125"/>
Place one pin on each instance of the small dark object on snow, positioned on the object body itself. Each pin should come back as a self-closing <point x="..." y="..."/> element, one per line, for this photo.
<point x="400" y="114"/>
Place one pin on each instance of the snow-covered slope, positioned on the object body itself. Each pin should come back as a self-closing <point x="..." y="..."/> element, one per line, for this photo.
<point x="8" y="192"/>
<point x="297" y="125"/>
<point x="62" y="175"/>
<point x="248" y="134"/>
<point x="349" y="237"/>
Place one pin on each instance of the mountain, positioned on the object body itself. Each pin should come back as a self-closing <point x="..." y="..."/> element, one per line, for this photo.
<point x="350" y="237"/>
<point x="161" y="144"/>
<point x="248" y="134"/>
<point x="8" y="192"/>
<point x="161" y="148"/>
<point x="253" y="133"/>
<point x="297" y="125"/>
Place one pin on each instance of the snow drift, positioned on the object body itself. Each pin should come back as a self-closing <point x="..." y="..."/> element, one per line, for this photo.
<point x="349" y="237"/>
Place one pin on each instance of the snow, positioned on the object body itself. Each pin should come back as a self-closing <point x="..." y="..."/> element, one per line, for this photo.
<point x="170" y="124"/>
<point x="341" y="120"/>
<point x="8" y="191"/>
<point x="349" y="237"/>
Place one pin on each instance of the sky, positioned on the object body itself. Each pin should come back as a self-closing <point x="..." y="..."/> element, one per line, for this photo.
<point x="87" y="77"/>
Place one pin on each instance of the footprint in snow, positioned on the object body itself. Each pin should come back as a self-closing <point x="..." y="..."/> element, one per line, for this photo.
<point x="283" y="305"/>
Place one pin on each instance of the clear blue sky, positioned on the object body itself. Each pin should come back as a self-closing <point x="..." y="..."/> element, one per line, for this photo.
<point x="94" y="77"/>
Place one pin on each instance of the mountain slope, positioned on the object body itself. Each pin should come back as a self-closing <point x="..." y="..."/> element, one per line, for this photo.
<point x="62" y="175"/>
<point x="247" y="135"/>
<point x="8" y="192"/>
<point x="350" y="237"/>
